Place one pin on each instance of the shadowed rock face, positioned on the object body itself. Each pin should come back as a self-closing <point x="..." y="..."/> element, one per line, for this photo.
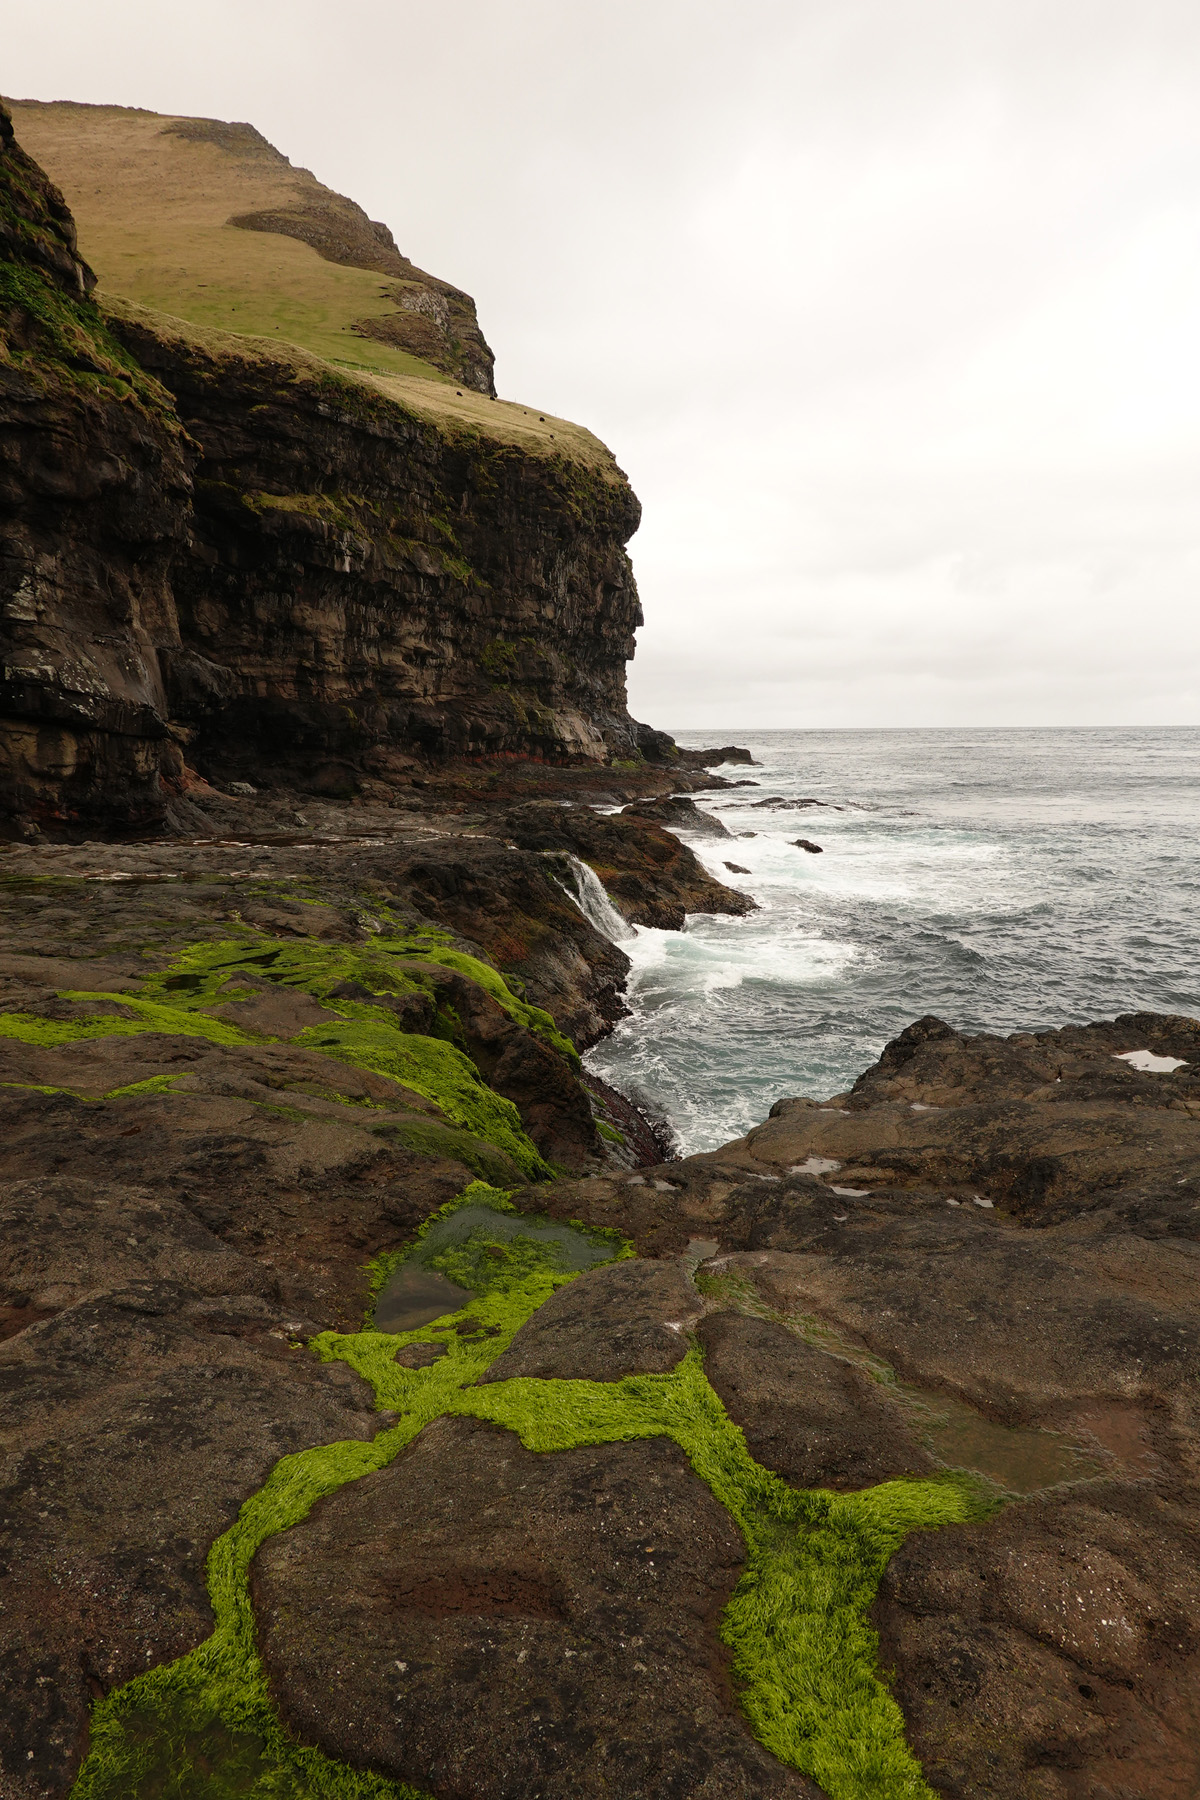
<point x="359" y="578"/>
<point x="242" y="555"/>
<point x="94" y="495"/>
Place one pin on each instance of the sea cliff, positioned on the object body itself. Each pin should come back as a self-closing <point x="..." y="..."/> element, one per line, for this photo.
<point x="229" y="556"/>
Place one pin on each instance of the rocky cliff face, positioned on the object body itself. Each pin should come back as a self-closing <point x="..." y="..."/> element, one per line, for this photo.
<point x="228" y="552"/>
<point x="94" y="499"/>
<point x="359" y="579"/>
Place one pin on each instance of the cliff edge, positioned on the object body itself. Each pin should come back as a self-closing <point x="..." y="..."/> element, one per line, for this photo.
<point x="226" y="555"/>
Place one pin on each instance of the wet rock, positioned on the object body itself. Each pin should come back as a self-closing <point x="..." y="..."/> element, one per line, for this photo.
<point x="807" y="844"/>
<point x="711" y="759"/>
<point x="651" y="876"/>
<point x="736" y="869"/>
<point x="135" y="1421"/>
<point x="631" y="1318"/>
<point x="1052" y="1651"/>
<point x="677" y="814"/>
<point x="485" y="1621"/>
<point x="1049" y="1126"/>
<point x="812" y="1417"/>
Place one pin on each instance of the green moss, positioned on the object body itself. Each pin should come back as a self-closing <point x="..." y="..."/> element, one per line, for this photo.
<point x="74" y="347"/>
<point x="325" y="509"/>
<point x="180" y="1000"/>
<point x="388" y="964"/>
<point x="803" y="1651"/>
<point x="149" y="1016"/>
<point x="154" y="1084"/>
<point x="499" y="659"/>
<point x="430" y="1139"/>
<point x="434" y="1068"/>
<point x="610" y="1132"/>
<point x="203" y="1727"/>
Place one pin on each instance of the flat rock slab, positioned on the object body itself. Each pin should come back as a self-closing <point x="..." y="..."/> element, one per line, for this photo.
<point x="134" y="1422"/>
<point x="1052" y="1653"/>
<point x="493" y="1624"/>
<point x="630" y="1318"/>
<point x="1019" y="1325"/>
<point x="814" y="1419"/>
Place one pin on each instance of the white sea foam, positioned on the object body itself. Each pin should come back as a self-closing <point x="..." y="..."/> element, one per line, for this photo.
<point x="996" y="879"/>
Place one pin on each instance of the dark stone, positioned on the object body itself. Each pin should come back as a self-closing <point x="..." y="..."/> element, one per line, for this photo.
<point x="1053" y="1650"/>
<point x="630" y="1318"/>
<point x="807" y="844"/>
<point x="651" y="876"/>
<point x="137" y="1419"/>
<point x="813" y="1418"/>
<point x="677" y="814"/>
<point x="488" y="1622"/>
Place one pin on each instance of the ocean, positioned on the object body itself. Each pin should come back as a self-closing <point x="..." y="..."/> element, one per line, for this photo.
<point x="1000" y="879"/>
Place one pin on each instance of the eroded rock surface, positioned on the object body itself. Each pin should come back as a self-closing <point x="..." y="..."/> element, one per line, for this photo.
<point x="1053" y="1652"/>
<point x="158" y="1388"/>
<point x="483" y="1620"/>
<point x="814" y="1418"/>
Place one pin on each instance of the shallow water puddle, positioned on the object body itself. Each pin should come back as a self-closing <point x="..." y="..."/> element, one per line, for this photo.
<point x="414" y="1297"/>
<point x="416" y="1293"/>
<point x="1147" y="1063"/>
<point x="1019" y="1459"/>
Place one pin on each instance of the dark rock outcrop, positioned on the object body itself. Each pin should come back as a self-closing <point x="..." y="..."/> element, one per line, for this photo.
<point x="234" y="552"/>
<point x="651" y="876"/>
<point x="94" y="500"/>
<point x="678" y="813"/>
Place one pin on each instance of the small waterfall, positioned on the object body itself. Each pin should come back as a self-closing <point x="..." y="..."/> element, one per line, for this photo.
<point x="585" y="888"/>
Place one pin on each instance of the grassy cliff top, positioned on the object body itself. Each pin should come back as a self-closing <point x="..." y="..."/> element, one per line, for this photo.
<point x="209" y="224"/>
<point x="456" y="412"/>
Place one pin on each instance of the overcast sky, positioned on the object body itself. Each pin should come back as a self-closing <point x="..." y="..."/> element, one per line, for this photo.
<point x="890" y="308"/>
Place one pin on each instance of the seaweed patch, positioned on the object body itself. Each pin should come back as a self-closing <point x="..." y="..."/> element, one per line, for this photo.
<point x="804" y="1653"/>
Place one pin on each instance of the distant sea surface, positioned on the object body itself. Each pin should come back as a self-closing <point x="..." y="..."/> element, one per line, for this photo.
<point x="1003" y="880"/>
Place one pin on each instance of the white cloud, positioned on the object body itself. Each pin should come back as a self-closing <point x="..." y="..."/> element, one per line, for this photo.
<point x="889" y="311"/>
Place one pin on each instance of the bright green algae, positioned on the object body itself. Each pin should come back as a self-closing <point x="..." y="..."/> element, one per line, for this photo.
<point x="804" y="1654"/>
<point x="178" y="1001"/>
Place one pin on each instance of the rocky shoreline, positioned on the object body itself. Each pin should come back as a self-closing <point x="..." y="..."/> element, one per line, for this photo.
<point x="856" y="1458"/>
<point x="982" y="1258"/>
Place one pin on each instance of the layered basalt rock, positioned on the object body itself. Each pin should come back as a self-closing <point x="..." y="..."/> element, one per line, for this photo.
<point x="229" y="558"/>
<point x="94" y="501"/>
<point x="361" y="580"/>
